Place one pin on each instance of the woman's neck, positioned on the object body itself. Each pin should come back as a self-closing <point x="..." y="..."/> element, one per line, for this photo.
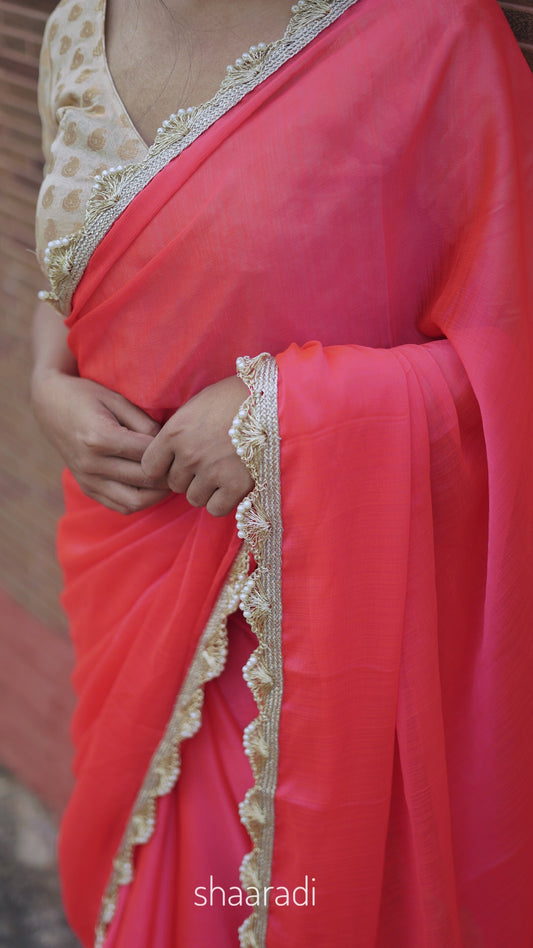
<point x="169" y="55"/>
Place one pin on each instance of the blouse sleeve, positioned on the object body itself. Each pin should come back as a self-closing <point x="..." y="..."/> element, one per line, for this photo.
<point x="44" y="96"/>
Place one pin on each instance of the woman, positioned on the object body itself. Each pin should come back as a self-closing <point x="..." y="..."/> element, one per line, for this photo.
<point x="362" y="177"/>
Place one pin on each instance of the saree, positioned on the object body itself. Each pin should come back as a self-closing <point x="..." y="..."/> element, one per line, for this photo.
<point x="348" y="226"/>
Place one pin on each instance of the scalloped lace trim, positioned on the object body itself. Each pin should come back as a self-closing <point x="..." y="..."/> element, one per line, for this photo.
<point x="185" y="721"/>
<point x="66" y="259"/>
<point x="255" y="433"/>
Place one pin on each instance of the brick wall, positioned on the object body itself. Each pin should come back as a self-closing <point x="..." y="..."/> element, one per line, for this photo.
<point x="520" y="17"/>
<point x="35" y="697"/>
<point x="30" y="498"/>
<point x="35" y="694"/>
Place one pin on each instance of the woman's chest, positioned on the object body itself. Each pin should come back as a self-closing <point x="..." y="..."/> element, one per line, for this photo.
<point x="166" y="56"/>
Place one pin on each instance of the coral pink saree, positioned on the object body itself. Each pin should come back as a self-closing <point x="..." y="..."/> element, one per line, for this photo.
<point x="360" y="207"/>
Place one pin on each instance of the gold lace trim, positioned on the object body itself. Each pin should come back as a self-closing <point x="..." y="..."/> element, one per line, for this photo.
<point x="185" y="721"/>
<point x="66" y="259"/>
<point x="255" y="431"/>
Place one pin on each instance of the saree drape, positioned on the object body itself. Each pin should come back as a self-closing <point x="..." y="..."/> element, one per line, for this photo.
<point x="364" y="215"/>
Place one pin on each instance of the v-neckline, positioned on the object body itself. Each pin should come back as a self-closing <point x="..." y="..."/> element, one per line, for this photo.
<point x="115" y="188"/>
<point x="116" y="93"/>
<point x="120" y="101"/>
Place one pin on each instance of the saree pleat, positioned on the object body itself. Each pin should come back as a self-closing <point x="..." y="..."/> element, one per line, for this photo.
<point x="388" y="216"/>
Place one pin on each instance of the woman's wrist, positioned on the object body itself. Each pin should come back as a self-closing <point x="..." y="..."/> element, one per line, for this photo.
<point x="42" y="378"/>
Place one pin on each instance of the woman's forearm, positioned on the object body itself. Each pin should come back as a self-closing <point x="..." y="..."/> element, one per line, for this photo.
<point x="50" y="349"/>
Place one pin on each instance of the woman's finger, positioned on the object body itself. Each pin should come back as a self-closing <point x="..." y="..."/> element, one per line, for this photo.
<point x="130" y="415"/>
<point x="112" y="440"/>
<point x="158" y="458"/>
<point x="222" y="502"/>
<point x="121" y="497"/>
<point x="199" y="492"/>
<point x="125" y="472"/>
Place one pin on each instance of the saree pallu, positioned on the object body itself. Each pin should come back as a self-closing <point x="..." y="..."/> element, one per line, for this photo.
<point x="363" y="215"/>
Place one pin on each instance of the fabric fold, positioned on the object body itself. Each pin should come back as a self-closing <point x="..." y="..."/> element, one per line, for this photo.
<point x="365" y="218"/>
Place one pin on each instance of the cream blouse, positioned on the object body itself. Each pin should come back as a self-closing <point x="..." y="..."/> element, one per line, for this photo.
<point x="88" y="131"/>
<point x="86" y="128"/>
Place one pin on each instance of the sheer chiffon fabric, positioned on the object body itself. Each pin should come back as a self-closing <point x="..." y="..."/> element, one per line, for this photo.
<point x="186" y="885"/>
<point x="374" y="194"/>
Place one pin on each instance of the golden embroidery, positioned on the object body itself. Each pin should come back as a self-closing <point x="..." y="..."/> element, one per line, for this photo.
<point x="83" y="76"/>
<point x="72" y="201"/>
<point x="70" y="134"/>
<point x="48" y="197"/>
<point x="70" y="168"/>
<point x="75" y="12"/>
<point x="96" y="140"/>
<point x="77" y="60"/>
<point x="87" y="30"/>
<point x="50" y="231"/>
<point x="164" y="769"/>
<point x="65" y="45"/>
<point x="88" y="97"/>
<point x="255" y="433"/>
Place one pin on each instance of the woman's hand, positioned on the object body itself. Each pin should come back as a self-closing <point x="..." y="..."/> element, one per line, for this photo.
<point x="101" y="436"/>
<point x="194" y="452"/>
